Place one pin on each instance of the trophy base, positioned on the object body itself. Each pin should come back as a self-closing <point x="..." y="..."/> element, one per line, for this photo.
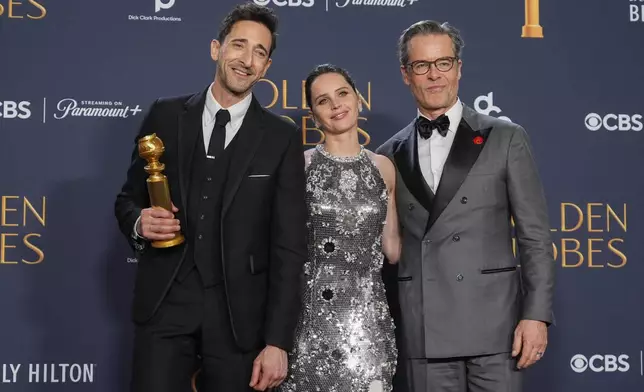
<point x="179" y="239"/>
<point x="532" y="31"/>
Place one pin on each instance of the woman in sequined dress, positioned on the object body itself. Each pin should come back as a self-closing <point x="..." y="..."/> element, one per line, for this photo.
<point x="345" y="338"/>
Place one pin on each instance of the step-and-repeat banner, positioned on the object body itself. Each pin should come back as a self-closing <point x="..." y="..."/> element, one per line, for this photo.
<point x="76" y="77"/>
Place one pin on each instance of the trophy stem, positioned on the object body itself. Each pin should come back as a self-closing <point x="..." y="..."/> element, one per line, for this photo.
<point x="160" y="197"/>
<point x="532" y="28"/>
<point x="159" y="191"/>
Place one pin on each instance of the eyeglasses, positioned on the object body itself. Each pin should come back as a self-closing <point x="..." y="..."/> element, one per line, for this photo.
<point x="443" y="64"/>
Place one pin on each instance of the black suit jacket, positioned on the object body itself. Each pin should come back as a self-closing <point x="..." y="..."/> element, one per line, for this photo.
<point x="263" y="220"/>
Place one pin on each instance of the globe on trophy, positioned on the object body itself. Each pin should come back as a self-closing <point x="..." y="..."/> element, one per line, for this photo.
<point x="151" y="149"/>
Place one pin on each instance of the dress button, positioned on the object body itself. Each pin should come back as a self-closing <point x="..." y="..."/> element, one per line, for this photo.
<point x="459" y="277"/>
<point x="327" y="294"/>
<point x="202" y="217"/>
<point x="410" y="206"/>
<point x="205" y="197"/>
<point x="200" y="236"/>
<point x="208" y="179"/>
<point x="463" y="200"/>
<point x="456" y="238"/>
<point x="329" y="247"/>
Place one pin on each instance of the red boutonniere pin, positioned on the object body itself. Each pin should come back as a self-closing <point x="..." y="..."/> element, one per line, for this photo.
<point x="478" y="140"/>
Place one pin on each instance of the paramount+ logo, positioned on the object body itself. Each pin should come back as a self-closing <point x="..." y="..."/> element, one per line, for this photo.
<point x="614" y="122"/>
<point x="599" y="363"/>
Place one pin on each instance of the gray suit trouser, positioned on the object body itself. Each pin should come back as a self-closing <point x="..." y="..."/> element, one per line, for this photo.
<point x="489" y="373"/>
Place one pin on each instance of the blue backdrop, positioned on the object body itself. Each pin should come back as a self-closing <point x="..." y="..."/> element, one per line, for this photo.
<point x="76" y="76"/>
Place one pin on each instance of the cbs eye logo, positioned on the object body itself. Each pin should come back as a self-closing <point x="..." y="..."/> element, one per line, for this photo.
<point x="600" y="363"/>
<point x="614" y="122"/>
<point x="15" y="109"/>
<point x="284" y="3"/>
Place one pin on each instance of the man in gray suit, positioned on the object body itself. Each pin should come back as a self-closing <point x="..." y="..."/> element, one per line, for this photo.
<point x="471" y="317"/>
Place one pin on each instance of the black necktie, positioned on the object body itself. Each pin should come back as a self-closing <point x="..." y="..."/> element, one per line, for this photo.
<point x="218" y="136"/>
<point x="425" y="126"/>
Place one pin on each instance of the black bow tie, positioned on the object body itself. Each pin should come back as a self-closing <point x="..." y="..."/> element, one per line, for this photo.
<point x="425" y="126"/>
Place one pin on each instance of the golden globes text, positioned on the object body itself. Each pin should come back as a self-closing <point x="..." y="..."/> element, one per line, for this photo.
<point x="23" y="9"/>
<point x="22" y="220"/>
<point x="590" y="235"/>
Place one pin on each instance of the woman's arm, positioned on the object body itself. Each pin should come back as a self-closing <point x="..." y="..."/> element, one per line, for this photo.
<point x="391" y="243"/>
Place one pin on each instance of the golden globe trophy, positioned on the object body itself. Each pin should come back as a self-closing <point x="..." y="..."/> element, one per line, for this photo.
<point x="151" y="148"/>
<point x="531" y="28"/>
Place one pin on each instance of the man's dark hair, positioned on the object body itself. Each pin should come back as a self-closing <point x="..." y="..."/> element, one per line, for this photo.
<point x="251" y="12"/>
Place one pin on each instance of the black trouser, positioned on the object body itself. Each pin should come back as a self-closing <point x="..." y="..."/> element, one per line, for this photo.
<point x="190" y="331"/>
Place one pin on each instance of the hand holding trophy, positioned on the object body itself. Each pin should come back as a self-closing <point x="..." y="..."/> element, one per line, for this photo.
<point x="151" y="148"/>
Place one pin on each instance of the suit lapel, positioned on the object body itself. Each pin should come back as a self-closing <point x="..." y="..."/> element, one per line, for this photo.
<point x="249" y="138"/>
<point x="188" y="132"/>
<point x="465" y="150"/>
<point x="406" y="158"/>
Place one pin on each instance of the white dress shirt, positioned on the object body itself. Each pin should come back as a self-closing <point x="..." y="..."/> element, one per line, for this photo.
<point x="432" y="152"/>
<point x="208" y="118"/>
<point x="237" y="114"/>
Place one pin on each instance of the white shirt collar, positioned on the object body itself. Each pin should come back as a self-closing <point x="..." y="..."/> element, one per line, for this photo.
<point x="455" y="113"/>
<point x="237" y="111"/>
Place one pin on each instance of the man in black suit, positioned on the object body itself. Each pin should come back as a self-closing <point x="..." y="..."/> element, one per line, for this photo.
<point x="228" y="298"/>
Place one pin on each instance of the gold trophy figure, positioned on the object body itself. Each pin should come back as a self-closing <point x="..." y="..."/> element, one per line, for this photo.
<point x="151" y="148"/>
<point x="531" y="28"/>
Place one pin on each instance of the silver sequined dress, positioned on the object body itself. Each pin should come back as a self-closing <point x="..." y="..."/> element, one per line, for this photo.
<point x="345" y="336"/>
